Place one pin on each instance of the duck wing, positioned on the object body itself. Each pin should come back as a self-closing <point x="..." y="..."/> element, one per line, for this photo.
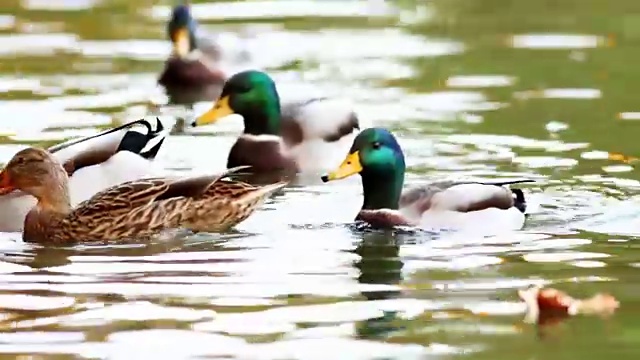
<point x="96" y="149"/>
<point x="130" y="195"/>
<point x="464" y="196"/>
<point x="317" y="118"/>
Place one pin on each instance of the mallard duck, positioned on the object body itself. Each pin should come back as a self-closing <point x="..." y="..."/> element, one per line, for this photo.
<point x="378" y="158"/>
<point x="191" y="72"/>
<point x="274" y="137"/>
<point x="93" y="163"/>
<point x="139" y="208"/>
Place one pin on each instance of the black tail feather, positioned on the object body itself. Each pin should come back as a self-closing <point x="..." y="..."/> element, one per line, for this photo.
<point x="509" y="182"/>
<point x="519" y="202"/>
<point x="63" y="145"/>
<point x="153" y="152"/>
<point x="136" y="142"/>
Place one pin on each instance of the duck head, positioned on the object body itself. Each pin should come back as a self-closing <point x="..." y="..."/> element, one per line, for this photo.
<point x="378" y="158"/>
<point x="37" y="173"/>
<point x="181" y="29"/>
<point x="251" y="94"/>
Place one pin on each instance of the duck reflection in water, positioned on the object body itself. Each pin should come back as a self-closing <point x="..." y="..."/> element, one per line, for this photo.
<point x="379" y="263"/>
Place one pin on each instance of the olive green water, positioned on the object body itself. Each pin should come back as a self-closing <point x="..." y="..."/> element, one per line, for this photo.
<point x="473" y="89"/>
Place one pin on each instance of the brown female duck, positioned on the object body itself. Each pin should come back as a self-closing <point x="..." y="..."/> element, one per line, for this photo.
<point x="93" y="163"/>
<point x="135" y="209"/>
<point x="190" y="73"/>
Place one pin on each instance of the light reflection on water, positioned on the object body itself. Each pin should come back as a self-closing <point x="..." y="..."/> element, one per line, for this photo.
<point x="296" y="281"/>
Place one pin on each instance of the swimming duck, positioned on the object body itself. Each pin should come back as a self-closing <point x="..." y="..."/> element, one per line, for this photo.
<point x="378" y="158"/>
<point x="190" y="73"/>
<point x="274" y="137"/>
<point x="134" y="209"/>
<point x="93" y="163"/>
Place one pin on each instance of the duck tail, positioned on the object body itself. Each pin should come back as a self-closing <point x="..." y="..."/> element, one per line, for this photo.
<point x="519" y="201"/>
<point x="154" y="140"/>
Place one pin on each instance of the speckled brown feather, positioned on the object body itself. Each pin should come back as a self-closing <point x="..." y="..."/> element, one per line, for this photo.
<point x="146" y="207"/>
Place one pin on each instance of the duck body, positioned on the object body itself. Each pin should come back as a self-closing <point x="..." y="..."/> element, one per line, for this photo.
<point x="134" y="209"/>
<point x="93" y="164"/>
<point x="451" y="205"/>
<point x="191" y="72"/>
<point x="295" y="137"/>
<point x="454" y="205"/>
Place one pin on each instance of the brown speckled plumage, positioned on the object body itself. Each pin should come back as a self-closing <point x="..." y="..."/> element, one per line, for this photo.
<point x="133" y="209"/>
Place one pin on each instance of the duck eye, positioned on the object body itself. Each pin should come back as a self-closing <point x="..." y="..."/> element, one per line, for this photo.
<point x="376" y="145"/>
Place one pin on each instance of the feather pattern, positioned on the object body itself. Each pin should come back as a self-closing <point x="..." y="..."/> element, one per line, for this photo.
<point x="134" y="209"/>
<point x="94" y="163"/>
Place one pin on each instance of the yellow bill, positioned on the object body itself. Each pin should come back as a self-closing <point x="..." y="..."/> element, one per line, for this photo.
<point x="350" y="166"/>
<point x="219" y="110"/>
<point x="181" y="42"/>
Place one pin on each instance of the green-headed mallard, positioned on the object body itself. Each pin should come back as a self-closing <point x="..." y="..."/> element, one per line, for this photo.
<point x="378" y="158"/>
<point x="134" y="209"/>
<point x="191" y="73"/>
<point x="274" y="137"/>
<point x="93" y="163"/>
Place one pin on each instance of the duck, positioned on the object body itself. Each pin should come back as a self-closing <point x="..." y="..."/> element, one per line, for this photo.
<point x="134" y="209"/>
<point x="191" y="73"/>
<point x="94" y="163"/>
<point x="275" y="137"/>
<point x="445" y="205"/>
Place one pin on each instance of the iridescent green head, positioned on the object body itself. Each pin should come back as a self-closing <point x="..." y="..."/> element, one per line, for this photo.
<point x="378" y="158"/>
<point x="253" y="95"/>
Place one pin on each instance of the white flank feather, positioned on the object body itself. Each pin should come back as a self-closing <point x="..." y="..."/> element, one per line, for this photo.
<point x="486" y="222"/>
<point x="322" y="117"/>
<point x="121" y="167"/>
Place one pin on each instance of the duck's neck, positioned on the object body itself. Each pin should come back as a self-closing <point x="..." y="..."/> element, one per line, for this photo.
<point x="51" y="209"/>
<point x="264" y="118"/>
<point x="382" y="189"/>
<point x="56" y="199"/>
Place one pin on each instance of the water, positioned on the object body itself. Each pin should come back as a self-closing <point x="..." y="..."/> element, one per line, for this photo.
<point x="489" y="88"/>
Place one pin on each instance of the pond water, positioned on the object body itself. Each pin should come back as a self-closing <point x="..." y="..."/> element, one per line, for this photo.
<point x="474" y="89"/>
